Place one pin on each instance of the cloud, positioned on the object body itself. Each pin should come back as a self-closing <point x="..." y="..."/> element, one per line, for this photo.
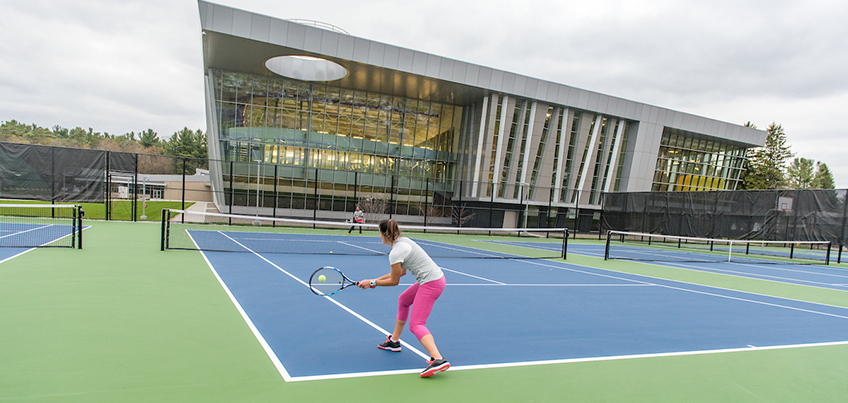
<point x="111" y="66"/>
<point x="129" y="65"/>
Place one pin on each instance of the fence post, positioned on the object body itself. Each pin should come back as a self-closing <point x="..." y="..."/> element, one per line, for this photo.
<point x="182" y="216"/>
<point x="391" y="195"/>
<point x="274" y="209"/>
<point x="601" y="221"/>
<point x="135" y="188"/>
<point x="232" y="194"/>
<point x="842" y="240"/>
<point x="492" y="205"/>
<point x="577" y="214"/>
<point x="315" y="205"/>
<point x="53" y="177"/>
<point x="108" y="185"/>
<point x="426" y="202"/>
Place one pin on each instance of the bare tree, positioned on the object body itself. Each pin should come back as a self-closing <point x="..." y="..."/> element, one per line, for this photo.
<point x="461" y="214"/>
<point x="430" y="212"/>
<point x="374" y="208"/>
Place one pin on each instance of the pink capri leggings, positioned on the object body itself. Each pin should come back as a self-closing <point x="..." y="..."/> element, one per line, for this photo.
<point x="421" y="298"/>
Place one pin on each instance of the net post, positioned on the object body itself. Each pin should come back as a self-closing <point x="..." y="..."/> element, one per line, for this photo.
<point x="747" y="248"/>
<point x="607" y="247"/>
<point x="73" y="226"/>
<point x="162" y="231"/>
<point x="679" y="241"/>
<point x="79" y="227"/>
<point x="564" y="243"/>
<point x="839" y="256"/>
<point x="168" y="231"/>
<point x="827" y="257"/>
<point x="792" y="250"/>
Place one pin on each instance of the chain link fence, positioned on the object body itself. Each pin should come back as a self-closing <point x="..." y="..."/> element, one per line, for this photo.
<point x="135" y="186"/>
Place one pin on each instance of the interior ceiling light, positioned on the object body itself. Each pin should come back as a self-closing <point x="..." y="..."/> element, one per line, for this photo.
<point x="306" y="68"/>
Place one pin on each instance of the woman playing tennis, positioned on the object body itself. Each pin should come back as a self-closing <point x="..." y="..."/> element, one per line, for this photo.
<point x="416" y="302"/>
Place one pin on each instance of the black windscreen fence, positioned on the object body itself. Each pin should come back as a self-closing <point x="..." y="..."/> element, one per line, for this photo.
<point x="777" y="215"/>
<point x="51" y="173"/>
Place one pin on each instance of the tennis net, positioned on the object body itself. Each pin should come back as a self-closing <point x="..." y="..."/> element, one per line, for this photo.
<point x="40" y="225"/>
<point x="667" y="248"/>
<point x="193" y="230"/>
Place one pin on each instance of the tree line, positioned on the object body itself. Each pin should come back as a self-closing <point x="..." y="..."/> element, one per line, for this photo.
<point x="184" y="143"/>
<point x="772" y="166"/>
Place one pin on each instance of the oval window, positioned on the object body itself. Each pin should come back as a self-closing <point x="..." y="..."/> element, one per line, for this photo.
<point x="306" y="68"/>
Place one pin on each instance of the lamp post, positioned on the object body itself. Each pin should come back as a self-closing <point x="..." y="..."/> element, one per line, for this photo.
<point x="144" y="197"/>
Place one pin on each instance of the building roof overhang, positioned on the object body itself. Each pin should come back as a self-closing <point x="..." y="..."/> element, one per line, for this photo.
<point x="240" y="41"/>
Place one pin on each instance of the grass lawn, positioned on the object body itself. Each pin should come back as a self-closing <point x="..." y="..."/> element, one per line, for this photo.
<point x="121" y="209"/>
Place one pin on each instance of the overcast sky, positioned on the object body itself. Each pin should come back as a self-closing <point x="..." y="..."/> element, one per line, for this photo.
<point x="121" y="66"/>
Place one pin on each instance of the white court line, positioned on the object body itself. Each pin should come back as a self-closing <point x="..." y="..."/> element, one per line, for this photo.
<point x="777" y="268"/>
<point x="787" y="280"/>
<point x="637" y="356"/>
<point x="472" y="276"/>
<point x="14" y="256"/>
<point x="717" y="288"/>
<point x="491" y="253"/>
<point x="547" y="285"/>
<point x="362" y="247"/>
<point x="31" y="229"/>
<point x="543" y="362"/>
<point x="283" y="372"/>
<point x="283" y="239"/>
<point x="265" y="346"/>
<point x="31" y="249"/>
<point x="551" y="265"/>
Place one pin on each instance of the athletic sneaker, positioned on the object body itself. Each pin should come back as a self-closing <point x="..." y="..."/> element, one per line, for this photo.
<point x="436" y="366"/>
<point x="390" y="345"/>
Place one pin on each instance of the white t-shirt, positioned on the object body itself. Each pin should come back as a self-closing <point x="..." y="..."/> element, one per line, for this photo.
<point x="413" y="259"/>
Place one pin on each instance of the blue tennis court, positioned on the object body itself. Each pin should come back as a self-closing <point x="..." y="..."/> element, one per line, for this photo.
<point x="824" y="276"/>
<point x="18" y="238"/>
<point x="499" y="313"/>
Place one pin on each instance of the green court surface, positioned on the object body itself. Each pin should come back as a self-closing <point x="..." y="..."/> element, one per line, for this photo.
<point x="120" y="321"/>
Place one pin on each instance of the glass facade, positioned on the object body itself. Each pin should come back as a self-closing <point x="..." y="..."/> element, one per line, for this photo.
<point x="301" y="127"/>
<point x="298" y="124"/>
<point x="692" y="162"/>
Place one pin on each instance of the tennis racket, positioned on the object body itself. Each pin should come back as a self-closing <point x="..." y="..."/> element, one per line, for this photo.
<point x="333" y="281"/>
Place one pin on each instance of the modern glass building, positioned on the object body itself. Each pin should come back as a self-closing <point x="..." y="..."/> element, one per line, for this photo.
<point x="307" y="120"/>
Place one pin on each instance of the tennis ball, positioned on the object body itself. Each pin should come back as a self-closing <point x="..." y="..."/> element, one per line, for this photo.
<point x="321" y="278"/>
<point x="331" y="252"/>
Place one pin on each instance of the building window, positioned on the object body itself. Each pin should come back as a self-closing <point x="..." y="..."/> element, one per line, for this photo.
<point x="693" y="162"/>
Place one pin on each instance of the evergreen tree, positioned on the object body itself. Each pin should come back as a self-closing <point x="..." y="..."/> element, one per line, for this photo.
<point x="799" y="175"/>
<point x="149" y="138"/>
<point x="190" y="144"/>
<point x="765" y="168"/>
<point x="823" y="179"/>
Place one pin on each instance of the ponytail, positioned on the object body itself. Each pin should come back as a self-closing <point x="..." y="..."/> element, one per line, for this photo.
<point x="389" y="229"/>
